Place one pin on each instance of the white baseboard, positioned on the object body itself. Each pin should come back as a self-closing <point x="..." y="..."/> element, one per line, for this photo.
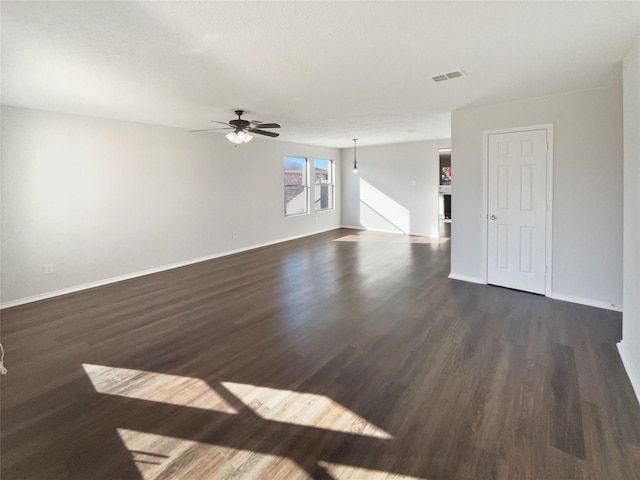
<point x="632" y="369"/>
<point x="354" y="227"/>
<point x="585" y="301"/>
<point x="467" y="278"/>
<point x="128" y="276"/>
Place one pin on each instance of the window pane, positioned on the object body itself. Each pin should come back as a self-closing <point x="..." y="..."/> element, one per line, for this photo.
<point x="295" y="171"/>
<point x="323" y="174"/>
<point x="296" y="191"/>
<point x="295" y="199"/>
<point x="323" y="180"/>
<point x="324" y="197"/>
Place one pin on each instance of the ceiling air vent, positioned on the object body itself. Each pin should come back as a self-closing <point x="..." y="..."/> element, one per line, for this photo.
<point x="448" y="76"/>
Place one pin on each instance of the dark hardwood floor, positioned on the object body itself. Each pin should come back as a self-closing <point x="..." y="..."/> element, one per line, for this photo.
<point x="341" y="355"/>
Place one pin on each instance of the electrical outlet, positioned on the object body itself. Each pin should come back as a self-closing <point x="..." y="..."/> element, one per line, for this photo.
<point x="48" y="268"/>
<point x="234" y="235"/>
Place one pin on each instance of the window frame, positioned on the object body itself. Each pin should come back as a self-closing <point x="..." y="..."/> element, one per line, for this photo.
<point x="331" y="183"/>
<point x="305" y="184"/>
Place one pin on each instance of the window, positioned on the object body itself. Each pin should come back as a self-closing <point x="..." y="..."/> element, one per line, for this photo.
<point x="296" y="186"/>
<point x="324" y="187"/>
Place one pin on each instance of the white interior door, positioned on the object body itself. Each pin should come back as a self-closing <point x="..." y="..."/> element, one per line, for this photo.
<point x="517" y="203"/>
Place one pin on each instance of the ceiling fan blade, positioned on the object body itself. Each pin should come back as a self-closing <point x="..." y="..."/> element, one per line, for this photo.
<point x="263" y="132"/>
<point x="210" y="129"/>
<point x="223" y="123"/>
<point x="267" y="125"/>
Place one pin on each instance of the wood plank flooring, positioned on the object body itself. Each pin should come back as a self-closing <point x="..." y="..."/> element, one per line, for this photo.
<point x="342" y="355"/>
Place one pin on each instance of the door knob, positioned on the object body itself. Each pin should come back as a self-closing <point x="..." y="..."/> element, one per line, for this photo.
<point x="493" y="217"/>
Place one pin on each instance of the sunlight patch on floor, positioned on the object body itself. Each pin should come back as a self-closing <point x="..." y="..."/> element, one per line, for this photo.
<point x="156" y="387"/>
<point x="160" y="456"/>
<point x="417" y="239"/>
<point x="306" y="409"/>
<point x="346" y="472"/>
<point x="375" y="237"/>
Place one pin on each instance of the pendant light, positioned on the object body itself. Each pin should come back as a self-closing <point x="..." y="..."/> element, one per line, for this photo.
<point x="355" y="161"/>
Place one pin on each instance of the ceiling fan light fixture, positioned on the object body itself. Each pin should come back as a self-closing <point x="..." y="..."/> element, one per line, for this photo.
<point x="239" y="137"/>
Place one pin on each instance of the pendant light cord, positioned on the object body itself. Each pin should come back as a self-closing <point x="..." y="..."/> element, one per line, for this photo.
<point x="355" y="161"/>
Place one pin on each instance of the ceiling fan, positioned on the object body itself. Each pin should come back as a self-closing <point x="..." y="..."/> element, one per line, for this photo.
<point x="242" y="129"/>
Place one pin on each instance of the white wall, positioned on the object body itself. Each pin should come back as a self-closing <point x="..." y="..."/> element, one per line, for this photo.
<point x="100" y="199"/>
<point x="630" y="345"/>
<point x="587" y="189"/>
<point x="395" y="189"/>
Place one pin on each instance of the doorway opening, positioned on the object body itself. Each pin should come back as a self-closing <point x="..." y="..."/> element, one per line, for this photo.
<point x="444" y="193"/>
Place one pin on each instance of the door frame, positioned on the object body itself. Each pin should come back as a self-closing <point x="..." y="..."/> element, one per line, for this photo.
<point x="549" y="214"/>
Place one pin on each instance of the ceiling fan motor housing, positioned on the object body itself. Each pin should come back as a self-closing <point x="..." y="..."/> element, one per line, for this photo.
<point x="239" y="123"/>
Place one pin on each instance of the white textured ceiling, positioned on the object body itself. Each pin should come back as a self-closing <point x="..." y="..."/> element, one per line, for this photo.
<point x="326" y="71"/>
